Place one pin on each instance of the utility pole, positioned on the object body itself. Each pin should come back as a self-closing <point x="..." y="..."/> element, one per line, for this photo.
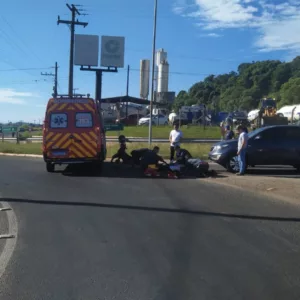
<point x="55" y="78"/>
<point x="72" y="24"/>
<point x="153" y="72"/>
<point x="127" y="90"/>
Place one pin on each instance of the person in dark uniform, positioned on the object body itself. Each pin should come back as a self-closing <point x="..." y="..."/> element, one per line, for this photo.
<point x="137" y="155"/>
<point x="151" y="157"/>
<point x="190" y="117"/>
<point x="229" y="134"/>
<point x="121" y="153"/>
<point x="194" y="165"/>
<point x="182" y="155"/>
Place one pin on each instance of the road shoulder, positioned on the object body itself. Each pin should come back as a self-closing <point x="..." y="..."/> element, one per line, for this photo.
<point x="8" y="226"/>
<point x="284" y="189"/>
<point x="3" y="227"/>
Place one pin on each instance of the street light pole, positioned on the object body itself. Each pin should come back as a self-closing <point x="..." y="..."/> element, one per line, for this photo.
<point x="153" y="72"/>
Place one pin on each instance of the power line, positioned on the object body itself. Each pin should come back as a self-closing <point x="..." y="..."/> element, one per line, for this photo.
<point x="24" y="69"/>
<point x="176" y="73"/>
<point x="10" y="42"/>
<point x="20" y="38"/>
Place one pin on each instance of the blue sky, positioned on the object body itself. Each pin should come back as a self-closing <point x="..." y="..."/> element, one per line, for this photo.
<point x="201" y="37"/>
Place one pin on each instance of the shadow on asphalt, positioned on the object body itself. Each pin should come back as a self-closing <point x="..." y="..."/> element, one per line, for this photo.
<point x="278" y="172"/>
<point x="283" y="172"/>
<point x="110" y="170"/>
<point x="156" y="209"/>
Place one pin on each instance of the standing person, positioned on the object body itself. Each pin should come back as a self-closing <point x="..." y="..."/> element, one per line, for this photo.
<point x="190" y="117"/>
<point x="204" y="116"/>
<point x="229" y="134"/>
<point x="242" y="148"/>
<point x="222" y="129"/>
<point x="174" y="138"/>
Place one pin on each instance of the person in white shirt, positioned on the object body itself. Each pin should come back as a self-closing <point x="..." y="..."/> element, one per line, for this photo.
<point x="174" y="138"/>
<point x="242" y="148"/>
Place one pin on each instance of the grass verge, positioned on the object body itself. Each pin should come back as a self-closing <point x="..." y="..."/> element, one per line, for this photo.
<point x="157" y="132"/>
<point x="164" y="131"/>
<point x="197" y="150"/>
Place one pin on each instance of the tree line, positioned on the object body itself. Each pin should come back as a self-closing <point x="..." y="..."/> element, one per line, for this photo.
<point x="242" y="90"/>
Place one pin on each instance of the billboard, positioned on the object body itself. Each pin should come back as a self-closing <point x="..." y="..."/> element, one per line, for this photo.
<point x="86" y="50"/>
<point x="112" y="51"/>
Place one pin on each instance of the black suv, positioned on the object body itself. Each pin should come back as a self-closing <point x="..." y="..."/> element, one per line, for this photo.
<point x="273" y="145"/>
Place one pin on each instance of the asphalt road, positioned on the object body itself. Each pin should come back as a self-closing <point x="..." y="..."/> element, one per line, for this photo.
<point x="123" y="237"/>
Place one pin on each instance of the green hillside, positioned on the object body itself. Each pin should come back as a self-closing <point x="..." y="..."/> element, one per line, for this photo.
<point x="243" y="89"/>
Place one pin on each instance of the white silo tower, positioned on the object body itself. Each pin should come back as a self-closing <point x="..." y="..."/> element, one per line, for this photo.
<point x="163" y="71"/>
<point x="161" y="56"/>
<point x="144" y="78"/>
<point x="163" y="77"/>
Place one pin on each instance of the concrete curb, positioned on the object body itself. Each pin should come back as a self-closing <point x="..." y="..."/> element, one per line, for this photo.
<point x="21" y="155"/>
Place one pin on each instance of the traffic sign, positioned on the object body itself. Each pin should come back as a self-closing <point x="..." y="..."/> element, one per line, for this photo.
<point x="7" y="129"/>
<point x="114" y="127"/>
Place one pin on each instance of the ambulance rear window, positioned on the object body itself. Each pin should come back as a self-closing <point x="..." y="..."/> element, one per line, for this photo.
<point x="58" y="120"/>
<point x="84" y="120"/>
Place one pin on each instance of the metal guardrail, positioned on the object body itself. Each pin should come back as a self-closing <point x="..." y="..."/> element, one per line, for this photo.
<point x="8" y="139"/>
<point x="133" y="140"/>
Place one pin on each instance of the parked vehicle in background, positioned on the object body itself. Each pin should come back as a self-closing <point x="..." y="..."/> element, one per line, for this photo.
<point x="73" y="132"/>
<point x="292" y="112"/>
<point x="267" y="115"/>
<point x="156" y="120"/>
<point x="130" y="120"/>
<point x="273" y="145"/>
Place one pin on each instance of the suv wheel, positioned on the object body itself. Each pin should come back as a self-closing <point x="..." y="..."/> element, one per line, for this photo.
<point x="233" y="165"/>
<point x="50" y="167"/>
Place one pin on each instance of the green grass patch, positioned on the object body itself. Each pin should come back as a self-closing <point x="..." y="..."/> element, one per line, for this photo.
<point x="197" y="150"/>
<point x="164" y="131"/>
<point x="20" y="148"/>
<point x="29" y="134"/>
<point x="189" y="132"/>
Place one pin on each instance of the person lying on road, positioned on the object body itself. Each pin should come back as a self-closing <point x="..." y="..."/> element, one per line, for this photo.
<point x="151" y="157"/>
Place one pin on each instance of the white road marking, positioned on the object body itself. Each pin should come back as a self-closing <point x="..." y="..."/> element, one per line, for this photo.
<point x="6" y="236"/>
<point x="5" y="208"/>
<point x="10" y="244"/>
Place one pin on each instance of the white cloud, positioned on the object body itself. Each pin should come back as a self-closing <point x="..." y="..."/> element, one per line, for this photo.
<point x="13" y="97"/>
<point x="277" y="24"/>
<point x="214" y="35"/>
<point x="180" y="7"/>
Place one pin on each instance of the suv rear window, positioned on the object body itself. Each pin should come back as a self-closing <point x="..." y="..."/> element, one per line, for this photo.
<point x="58" y="120"/>
<point x="84" y="120"/>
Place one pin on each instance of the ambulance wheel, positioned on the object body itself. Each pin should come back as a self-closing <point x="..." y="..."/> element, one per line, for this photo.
<point x="50" y="167"/>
